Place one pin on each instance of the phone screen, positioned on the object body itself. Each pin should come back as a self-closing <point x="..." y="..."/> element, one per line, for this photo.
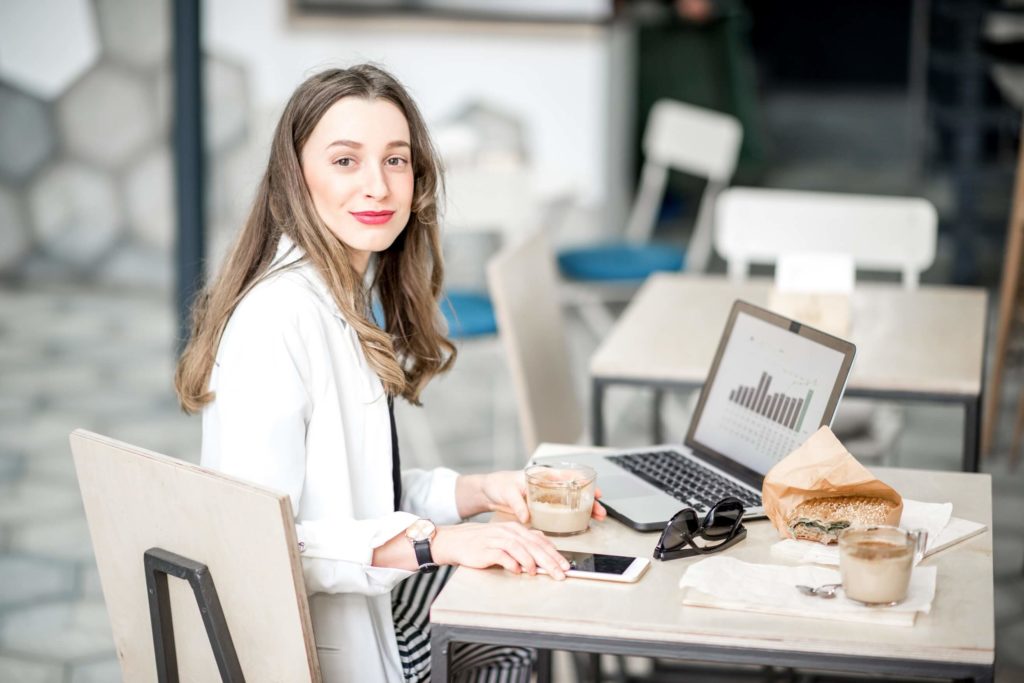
<point x="595" y="562"/>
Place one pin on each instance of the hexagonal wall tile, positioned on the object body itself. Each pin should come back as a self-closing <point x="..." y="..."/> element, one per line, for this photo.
<point x="14" y="233"/>
<point x="234" y="175"/>
<point x="226" y="102"/>
<point x="133" y="264"/>
<point x="149" y="190"/>
<point x="46" y="62"/>
<point x="136" y="32"/>
<point x="27" y="138"/>
<point x="75" y="213"/>
<point x="107" y="117"/>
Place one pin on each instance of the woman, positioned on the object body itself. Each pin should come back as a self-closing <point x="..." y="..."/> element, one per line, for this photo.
<point x="295" y="379"/>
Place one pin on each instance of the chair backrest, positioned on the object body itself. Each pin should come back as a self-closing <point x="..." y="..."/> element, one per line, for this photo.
<point x="136" y="500"/>
<point x="487" y="199"/>
<point x="691" y="139"/>
<point x="757" y="226"/>
<point x="523" y="283"/>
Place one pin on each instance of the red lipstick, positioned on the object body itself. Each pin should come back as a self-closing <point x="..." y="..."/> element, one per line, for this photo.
<point x="372" y="217"/>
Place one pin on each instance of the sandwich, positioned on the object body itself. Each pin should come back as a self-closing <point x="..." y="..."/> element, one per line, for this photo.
<point x="823" y="519"/>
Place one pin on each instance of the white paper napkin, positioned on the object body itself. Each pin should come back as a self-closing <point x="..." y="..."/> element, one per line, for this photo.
<point x="728" y="583"/>
<point x="936" y="518"/>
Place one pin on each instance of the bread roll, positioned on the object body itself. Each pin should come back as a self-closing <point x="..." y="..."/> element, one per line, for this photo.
<point x="823" y="519"/>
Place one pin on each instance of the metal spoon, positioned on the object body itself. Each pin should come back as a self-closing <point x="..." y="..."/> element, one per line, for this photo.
<point x="827" y="591"/>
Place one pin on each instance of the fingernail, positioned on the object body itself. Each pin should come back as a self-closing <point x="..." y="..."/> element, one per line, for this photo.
<point x="565" y="566"/>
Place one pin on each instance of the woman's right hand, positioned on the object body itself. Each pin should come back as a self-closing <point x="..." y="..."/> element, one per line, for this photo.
<point x="509" y="544"/>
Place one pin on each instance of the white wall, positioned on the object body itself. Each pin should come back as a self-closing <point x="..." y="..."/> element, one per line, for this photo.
<point x="557" y="78"/>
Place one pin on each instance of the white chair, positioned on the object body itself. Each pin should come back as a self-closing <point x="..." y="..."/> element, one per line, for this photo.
<point x="894" y="234"/>
<point x="160" y="526"/>
<point x="681" y="137"/>
<point x="490" y="202"/>
<point x="523" y="283"/>
<point x="479" y="201"/>
<point x="693" y="140"/>
<point x="756" y="226"/>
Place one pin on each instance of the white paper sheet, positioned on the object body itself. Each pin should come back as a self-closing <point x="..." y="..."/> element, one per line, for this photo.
<point x="727" y="583"/>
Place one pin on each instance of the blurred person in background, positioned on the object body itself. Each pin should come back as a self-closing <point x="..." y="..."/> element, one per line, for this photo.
<point x="296" y="379"/>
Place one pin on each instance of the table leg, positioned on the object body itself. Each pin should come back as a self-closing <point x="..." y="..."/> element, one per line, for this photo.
<point x="657" y="431"/>
<point x="440" y="644"/>
<point x="983" y="678"/>
<point x="543" y="666"/>
<point x="972" y="410"/>
<point x="597" y="412"/>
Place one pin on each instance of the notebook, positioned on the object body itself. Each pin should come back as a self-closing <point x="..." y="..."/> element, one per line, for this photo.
<point x="773" y="382"/>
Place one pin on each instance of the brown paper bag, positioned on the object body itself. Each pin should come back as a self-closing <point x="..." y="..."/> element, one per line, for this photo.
<point x="821" y="467"/>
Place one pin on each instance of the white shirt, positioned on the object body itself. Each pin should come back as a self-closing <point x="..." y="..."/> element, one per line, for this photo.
<point x="298" y="409"/>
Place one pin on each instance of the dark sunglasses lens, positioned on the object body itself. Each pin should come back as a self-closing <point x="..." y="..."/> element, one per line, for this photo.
<point x="723" y="518"/>
<point x="683" y="524"/>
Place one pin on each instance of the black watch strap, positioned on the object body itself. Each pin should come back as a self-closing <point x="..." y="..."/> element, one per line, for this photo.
<point x="423" y="556"/>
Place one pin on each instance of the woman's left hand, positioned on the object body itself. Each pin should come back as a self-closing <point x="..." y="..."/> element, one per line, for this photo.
<point x="506" y="492"/>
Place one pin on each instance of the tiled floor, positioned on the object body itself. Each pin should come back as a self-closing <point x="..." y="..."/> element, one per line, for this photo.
<point x="103" y="360"/>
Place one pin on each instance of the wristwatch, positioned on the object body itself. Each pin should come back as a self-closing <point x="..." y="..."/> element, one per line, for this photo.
<point x="420" y="533"/>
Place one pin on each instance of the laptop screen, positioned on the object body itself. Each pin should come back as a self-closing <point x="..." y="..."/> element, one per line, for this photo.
<point x="772" y="384"/>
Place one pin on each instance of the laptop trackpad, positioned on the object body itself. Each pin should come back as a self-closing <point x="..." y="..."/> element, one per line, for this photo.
<point x="619" y="487"/>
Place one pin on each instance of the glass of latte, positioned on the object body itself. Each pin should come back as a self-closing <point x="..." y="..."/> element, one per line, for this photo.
<point x="876" y="562"/>
<point x="560" y="497"/>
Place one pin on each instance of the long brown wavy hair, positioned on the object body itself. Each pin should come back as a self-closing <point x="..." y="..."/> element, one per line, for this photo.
<point x="412" y="347"/>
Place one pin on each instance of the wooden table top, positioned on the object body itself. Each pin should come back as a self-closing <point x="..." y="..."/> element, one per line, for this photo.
<point x="928" y="340"/>
<point x="960" y="627"/>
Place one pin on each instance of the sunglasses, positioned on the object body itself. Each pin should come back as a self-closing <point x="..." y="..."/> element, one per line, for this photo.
<point x="722" y="528"/>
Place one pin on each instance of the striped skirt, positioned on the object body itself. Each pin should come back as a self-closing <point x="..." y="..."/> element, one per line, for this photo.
<point x="470" y="663"/>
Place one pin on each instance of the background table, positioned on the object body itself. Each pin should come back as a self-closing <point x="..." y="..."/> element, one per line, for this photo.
<point x="926" y="344"/>
<point x="956" y="640"/>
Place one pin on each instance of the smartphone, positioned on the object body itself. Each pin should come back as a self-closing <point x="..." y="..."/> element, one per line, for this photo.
<point x="604" y="567"/>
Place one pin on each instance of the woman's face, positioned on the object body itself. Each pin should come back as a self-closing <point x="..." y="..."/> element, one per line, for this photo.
<point x="358" y="167"/>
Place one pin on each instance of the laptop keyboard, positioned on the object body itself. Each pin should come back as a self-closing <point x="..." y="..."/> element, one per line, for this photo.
<point x="684" y="479"/>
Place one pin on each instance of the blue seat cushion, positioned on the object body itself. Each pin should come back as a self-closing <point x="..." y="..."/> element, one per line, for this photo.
<point x="621" y="261"/>
<point x="469" y="314"/>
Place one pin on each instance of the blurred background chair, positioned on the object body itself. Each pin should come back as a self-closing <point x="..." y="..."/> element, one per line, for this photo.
<point x="882" y="234"/>
<point x="484" y="205"/>
<point x="680" y="137"/>
<point x="523" y="282"/>
<point x="754" y="226"/>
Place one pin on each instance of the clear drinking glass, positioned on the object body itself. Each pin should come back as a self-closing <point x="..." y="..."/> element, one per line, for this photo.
<point x="876" y="562"/>
<point x="560" y="497"/>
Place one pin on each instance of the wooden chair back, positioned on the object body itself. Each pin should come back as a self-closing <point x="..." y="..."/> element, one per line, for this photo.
<point x="136" y="500"/>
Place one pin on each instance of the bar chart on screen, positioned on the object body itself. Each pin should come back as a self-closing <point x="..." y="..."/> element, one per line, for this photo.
<point x="788" y="411"/>
<point x="771" y="423"/>
<point x="769" y="394"/>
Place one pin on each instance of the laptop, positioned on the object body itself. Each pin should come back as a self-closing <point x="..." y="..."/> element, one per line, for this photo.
<point x="772" y="384"/>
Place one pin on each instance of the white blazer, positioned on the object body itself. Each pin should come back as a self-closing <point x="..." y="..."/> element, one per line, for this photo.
<point x="298" y="409"/>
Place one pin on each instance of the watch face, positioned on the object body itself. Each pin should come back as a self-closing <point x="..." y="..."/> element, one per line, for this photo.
<point x="420" y="530"/>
